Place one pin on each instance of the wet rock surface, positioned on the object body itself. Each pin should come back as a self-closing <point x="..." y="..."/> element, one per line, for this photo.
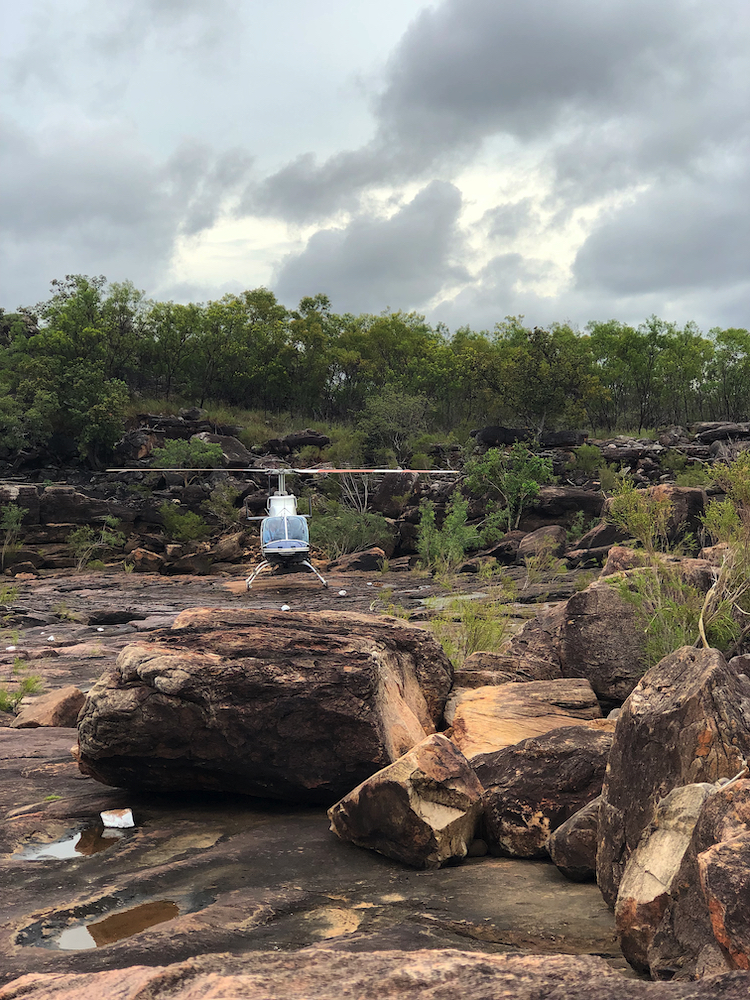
<point x="248" y="875"/>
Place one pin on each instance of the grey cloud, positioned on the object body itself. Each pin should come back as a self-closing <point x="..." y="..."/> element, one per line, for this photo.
<point x="508" y="220"/>
<point x="402" y="261"/>
<point x="612" y="87"/>
<point x="92" y="201"/>
<point x="671" y="238"/>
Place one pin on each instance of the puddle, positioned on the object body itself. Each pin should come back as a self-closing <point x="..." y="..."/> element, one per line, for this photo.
<point x="75" y="844"/>
<point x="115" y="927"/>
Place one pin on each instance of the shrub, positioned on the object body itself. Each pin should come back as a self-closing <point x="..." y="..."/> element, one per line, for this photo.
<point x="444" y="548"/>
<point x="24" y="684"/>
<point x="341" y="530"/>
<point x="588" y="458"/>
<point x="644" y="514"/>
<point x="223" y="505"/>
<point x="183" y="526"/>
<point x="510" y="479"/>
<point x="467" y="627"/>
<point x="179" y="454"/>
<point x="86" y="540"/>
<point x="10" y="524"/>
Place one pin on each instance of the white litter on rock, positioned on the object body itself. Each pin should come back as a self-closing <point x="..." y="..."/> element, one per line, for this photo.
<point x="285" y="607"/>
<point x="100" y="629"/>
<point x="10" y="649"/>
<point x="50" y="638"/>
<point x="342" y="593"/>
<point x="119" y="819"/>
<point x="369" y="584"/>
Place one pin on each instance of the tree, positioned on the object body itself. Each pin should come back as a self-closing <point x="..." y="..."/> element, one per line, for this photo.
<point x="391" y="419"/>
<point x="509" y="479"/>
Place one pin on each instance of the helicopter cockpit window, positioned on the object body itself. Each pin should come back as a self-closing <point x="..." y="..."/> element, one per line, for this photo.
<point x="281" y="529"/>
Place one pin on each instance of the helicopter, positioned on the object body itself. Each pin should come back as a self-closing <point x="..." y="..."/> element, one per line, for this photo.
<point x="284" y="533"/>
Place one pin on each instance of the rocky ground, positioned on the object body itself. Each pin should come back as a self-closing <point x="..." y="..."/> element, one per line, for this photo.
<point x="232" y="874"/>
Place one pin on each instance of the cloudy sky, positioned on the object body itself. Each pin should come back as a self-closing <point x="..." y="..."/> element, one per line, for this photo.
<point x="469" y="159"/>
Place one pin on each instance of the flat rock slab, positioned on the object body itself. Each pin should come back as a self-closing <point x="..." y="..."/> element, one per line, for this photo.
<point x="248" y="876"/>
<point x="291" y="705"/>
<point x="490" y="718"/>
<point x="327" y="974"/>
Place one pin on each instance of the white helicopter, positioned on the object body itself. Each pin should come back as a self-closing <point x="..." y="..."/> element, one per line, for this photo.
<point x="284" y="534"/>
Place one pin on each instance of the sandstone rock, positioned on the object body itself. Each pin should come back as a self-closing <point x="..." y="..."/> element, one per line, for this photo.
<point x="235" y="453"/>
<point x="192" y="563"/>
<point x="536" y="785"/>
<point x="506" y="550"/>
<point x="369" y="561"/>
<point x="534" y="650"/>
<point x="392" y="494"/>
<point x="327" y="973"/>
<point x="724" y="872"/>
<point x="421" y="810"/>
<point x="486" y="668"/>
<point x="489" y="718"/>
<point x="145" y="561"/>
<point x="229" y="549"/>
<point x="550" y="539"/>
<point x="652" y="868"/>
<point x="57" y="708"/>
<point x="561" y="504"/>
<point x="572" y="846"/>
<point x="292" y="705"/>
<point x="26" y="497"/>
<point x="65" y="504"/>
<point x="705" y="930"/>
<point x="687" y="721"/>
<point x="602" y="534"/>
<point x="602" y="640"/>
<point x="698" y="573"/>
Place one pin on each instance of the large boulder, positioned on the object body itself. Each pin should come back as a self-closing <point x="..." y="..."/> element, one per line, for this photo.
<point x="235" y="454"/>
<point x="687" y="721"/>
<point x="490" y="718"/>
<point x="290" y="705"/>
<point x="534" y="651"/>
<point x="705" y="928"/>
<point x="652" y="869"/>
<point x="547" y="541"/>
<point x="332" y="972"/>
<point x="572" y="846"/>
<point x="421" y="810"/>
<point x="535" y="786"/>
<point x="602" y="639"/>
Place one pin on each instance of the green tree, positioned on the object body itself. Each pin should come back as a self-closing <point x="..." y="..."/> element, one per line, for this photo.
<point x="510" y="480"/>
<point x="391" y="419"/>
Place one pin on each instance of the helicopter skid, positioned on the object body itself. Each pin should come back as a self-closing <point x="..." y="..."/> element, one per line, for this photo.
<point x="285" y="564"/>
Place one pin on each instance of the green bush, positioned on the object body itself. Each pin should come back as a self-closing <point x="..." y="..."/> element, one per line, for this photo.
<point x="341" y="530"/>
<point x="86" y="540"/>
<point x="509" y="479"/>
<point x="10" y="524"/>
<point x="223" y="505"/>
<point x="444" y="548"/>
<point x="183" y="526"/>
<point x="179" y="454"/>
<point x="25" y="683"/>
<point x="467" y="627"/>
<point x="644" y="514"/>
<point x="588" y="458"/>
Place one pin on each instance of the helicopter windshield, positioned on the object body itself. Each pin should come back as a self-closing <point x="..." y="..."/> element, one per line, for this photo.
<point x="280" y="529"/>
